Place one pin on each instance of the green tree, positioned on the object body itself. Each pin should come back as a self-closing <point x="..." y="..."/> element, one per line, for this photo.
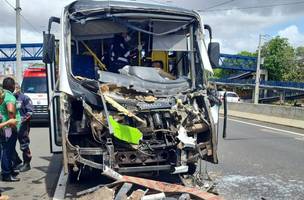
<point x="247" y="53"/>
<point x="280" y="59"/>
<point x="300" y="56"/>
<point x="299" y="72"/>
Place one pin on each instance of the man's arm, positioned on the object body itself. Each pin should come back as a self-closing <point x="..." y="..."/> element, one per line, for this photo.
<point x="28" y="107"/>
<point x="10" y="122"/>
<point x="11" y="109"/>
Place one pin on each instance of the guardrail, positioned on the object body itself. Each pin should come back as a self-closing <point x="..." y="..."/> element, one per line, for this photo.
<point x="283" y="85"/>
<point x="288" y="112"/>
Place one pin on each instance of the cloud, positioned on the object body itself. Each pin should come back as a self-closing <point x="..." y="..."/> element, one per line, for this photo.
<point x="237" y="30"/>
<point x="34" y="19"/>
<point x="293" y="34"/>
<point x="27" y="36"/>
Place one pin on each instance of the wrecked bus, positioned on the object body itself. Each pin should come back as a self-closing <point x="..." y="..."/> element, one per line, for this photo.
<point x="128" y="87"/>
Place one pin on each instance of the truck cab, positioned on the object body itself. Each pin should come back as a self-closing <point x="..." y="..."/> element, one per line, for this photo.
<point x="130" y="91"/>
<point x="34" y="85"/>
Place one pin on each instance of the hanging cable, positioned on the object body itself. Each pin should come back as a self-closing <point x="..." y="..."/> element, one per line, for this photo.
<point x="22" y="16"/>
<point x="220" y="4"/>
<point x="254" y="7"/>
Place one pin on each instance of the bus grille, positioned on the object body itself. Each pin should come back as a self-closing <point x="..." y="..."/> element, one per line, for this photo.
<point x="41" y="109"/>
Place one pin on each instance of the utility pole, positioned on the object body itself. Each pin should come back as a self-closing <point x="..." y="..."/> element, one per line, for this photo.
<point x="19" y="67"/>
<point x="258" y="73"/>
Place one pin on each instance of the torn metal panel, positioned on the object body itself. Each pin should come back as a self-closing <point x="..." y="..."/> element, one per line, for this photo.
<point x="111" y="173"/>
<point x="122" y="193"/>
<point x="185" y="139"/>
<point x="120" y="108"/>
<point x="146" y="81"/>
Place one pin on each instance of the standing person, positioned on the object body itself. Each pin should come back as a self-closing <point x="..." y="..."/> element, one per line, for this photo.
<point x="10" y="122"/>
<point x="119" y="52"/>
<point x="25" y="108"/>
<point x="9" y="138"/>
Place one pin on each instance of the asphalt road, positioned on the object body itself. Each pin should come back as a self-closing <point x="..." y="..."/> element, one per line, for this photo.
<point x="254" y="163"/>
<point x="40" y="182"/>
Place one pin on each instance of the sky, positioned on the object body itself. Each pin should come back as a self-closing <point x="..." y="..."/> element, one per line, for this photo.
<point x="236" y="23"/>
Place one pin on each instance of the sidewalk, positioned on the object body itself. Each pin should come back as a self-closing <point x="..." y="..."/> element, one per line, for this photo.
<point x="38" y="183"/>
<point x="266" y="118"/>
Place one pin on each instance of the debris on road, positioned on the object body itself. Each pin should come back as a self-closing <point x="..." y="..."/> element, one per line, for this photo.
<point x="146" y="189"/>
<point x="122" y="193"/>
<point x="4" y="197"/>
<point x="136" y="195"/>
<point x="104" y="192"/>
<point x="157" y="196"/>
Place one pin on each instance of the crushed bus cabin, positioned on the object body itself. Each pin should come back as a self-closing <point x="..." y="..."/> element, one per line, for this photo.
<point x="128" y="88"/>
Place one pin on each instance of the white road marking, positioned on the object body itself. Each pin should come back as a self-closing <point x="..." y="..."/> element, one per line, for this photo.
<point x="61" y="186"/>
<point x="270" y="128"/>
<point x="299" y="138"/>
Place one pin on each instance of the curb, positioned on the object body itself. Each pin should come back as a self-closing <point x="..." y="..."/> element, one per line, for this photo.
<point x="265" y="118"/>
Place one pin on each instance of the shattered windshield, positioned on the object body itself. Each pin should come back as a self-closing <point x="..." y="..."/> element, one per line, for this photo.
<point x="148" y="54"/>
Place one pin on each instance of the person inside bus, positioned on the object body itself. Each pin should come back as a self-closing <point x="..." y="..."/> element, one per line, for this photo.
<point x="160" y="68"/>
<point x="119" y="52"/>
<point x="9" y="134"/>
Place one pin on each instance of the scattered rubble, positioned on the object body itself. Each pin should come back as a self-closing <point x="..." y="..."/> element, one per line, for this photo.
<point x="135" y="188"/>
<point x="104" y="192"/>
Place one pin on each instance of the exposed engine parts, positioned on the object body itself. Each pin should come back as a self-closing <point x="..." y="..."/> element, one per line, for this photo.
<point x="144" y="132"/>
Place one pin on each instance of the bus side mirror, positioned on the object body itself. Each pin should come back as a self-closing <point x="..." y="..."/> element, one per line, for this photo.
<point x="214" y="54"/>
<point x="48" y="48"/>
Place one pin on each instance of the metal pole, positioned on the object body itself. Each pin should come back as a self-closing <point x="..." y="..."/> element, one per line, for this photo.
<point x="258" y="72"/>
<point x="19" y="67"/>
<point x="192" y="57"/>
<point x="225" y="116"/>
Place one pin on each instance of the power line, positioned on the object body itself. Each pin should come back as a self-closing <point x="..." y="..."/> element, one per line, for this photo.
<point x="33" y="27"/>
<point x="9" y="4"/>
<point x="220" y="4"/>
<point x="23" y="17"/>
<point x="255" y="7"/>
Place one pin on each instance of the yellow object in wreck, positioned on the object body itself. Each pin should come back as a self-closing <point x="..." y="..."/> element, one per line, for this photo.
<point x="125" y="133"/>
